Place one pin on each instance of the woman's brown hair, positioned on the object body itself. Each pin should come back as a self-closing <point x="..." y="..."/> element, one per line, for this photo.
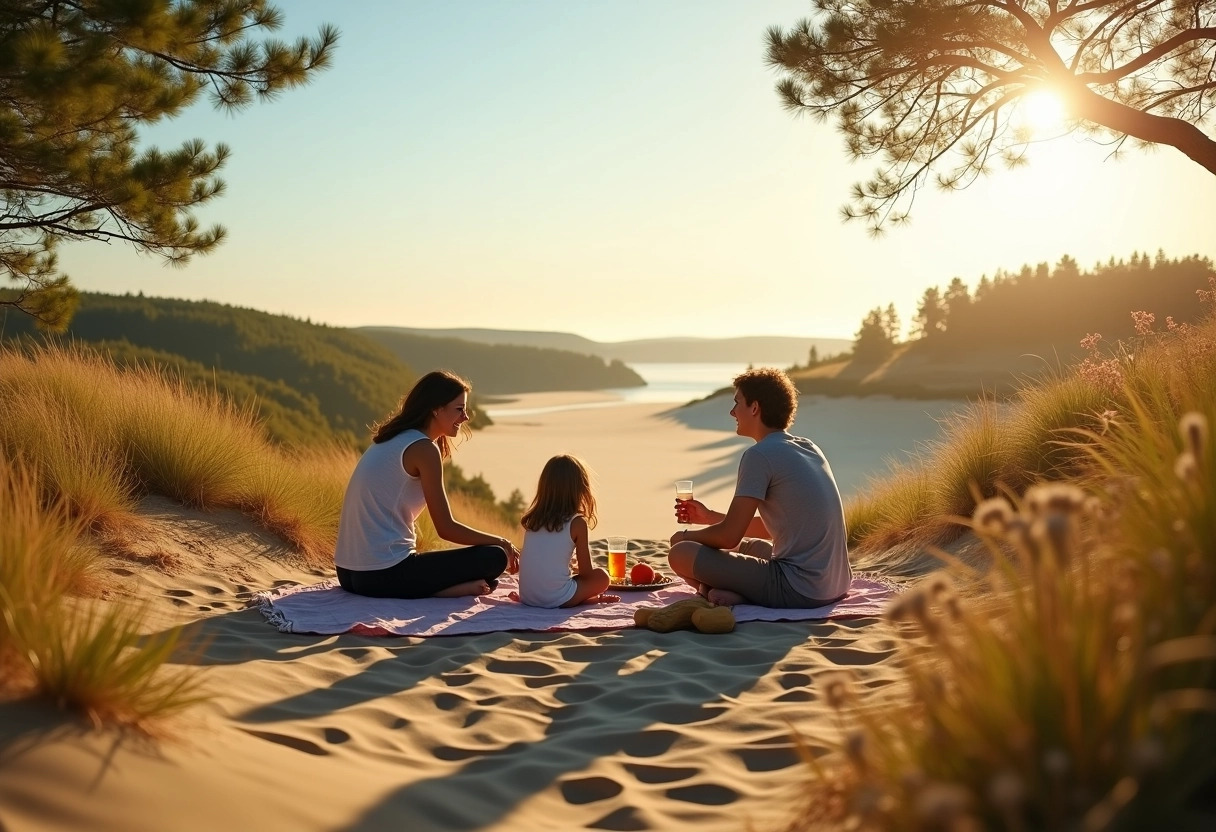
<point x="563" y="491"/>
<point x="434" y="390"/>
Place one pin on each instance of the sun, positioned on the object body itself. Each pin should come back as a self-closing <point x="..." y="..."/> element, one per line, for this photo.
<point x="1042" y="113"/>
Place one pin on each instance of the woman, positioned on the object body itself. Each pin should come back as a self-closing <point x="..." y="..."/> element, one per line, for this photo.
<point x="394" y="480"/>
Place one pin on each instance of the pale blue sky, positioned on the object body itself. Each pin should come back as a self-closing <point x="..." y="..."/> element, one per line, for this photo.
<point x="614" y="169"/>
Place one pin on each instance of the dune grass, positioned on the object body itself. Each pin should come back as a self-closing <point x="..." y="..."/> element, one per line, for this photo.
<point x="99" y="438"/>
<point x="1041" y="435"/>
<point x="87" y="656"/>
<point x="1072" y="684"/>
<point x="81" y="443"/>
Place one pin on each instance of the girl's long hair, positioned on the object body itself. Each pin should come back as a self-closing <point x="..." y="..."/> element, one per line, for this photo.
<point x="563" y="491"/>
<point x="431" y="392"/>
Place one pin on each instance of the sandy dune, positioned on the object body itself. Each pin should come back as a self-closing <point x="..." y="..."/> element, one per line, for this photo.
<point x="620" y="730"/>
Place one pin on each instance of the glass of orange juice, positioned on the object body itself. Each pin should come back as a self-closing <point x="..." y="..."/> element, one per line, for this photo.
<point x="617" y="547"/>
<point x="684" y="493"/>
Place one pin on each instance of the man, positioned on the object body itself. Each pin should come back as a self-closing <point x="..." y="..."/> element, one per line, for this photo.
<point x="782" y="542"/>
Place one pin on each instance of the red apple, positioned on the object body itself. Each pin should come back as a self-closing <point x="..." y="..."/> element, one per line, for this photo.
<point x="642" y="573"/>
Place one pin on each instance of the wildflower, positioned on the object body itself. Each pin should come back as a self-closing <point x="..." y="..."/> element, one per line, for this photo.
<point x="1143" y="322"/>
<point x="911" y="606"/>
<point x="1186" y="468"/>
<point x="1208" y="297"/>
<point x="1053" y="498"/>
<point x="1090" y="341"/>
<point x="1194" y="429"/>
<point x="1107" y="419"/>
<point x="918" y="608"/>
<point x="837" y="688"/>
<point x="992" y="517"/>
<point x="940" y="588"/>
<point x="1055" y="532"/>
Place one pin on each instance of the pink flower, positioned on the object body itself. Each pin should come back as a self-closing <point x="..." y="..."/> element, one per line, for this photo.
<point x="1144" y="322"/>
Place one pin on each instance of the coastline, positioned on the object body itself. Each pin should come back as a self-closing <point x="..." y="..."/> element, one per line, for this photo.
<point x="638" y="451"/>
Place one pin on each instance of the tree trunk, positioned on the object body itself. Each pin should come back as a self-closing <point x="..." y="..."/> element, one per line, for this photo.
<point x="1145" y="126"/>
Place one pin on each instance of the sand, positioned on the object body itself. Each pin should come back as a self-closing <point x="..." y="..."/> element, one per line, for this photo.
<point x="618" y="730"/>
<point x="637" y="451"/>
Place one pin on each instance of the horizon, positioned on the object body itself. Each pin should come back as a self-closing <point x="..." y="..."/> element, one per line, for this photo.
<point x="581" y="170"/>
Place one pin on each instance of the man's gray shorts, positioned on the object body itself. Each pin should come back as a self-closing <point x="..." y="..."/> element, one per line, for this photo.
<point x="750" y="572"/>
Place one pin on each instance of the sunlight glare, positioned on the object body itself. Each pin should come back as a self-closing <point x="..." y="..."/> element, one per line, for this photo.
<point x="1043" y="113"/>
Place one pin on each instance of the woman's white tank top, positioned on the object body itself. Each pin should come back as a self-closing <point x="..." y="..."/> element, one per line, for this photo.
<point x="382" y="501"/>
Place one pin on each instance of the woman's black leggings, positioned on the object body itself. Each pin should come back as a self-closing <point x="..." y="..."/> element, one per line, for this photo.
<point x="423" y="574"/>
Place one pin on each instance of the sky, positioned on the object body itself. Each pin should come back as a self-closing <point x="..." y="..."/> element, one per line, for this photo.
<point x="617" y="170"/>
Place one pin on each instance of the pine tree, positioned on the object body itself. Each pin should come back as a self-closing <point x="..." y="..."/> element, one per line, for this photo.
<point x="872" y="342"/>
<point x="76" y="81"/>
<point x="930" y="317"/>
<point x="936" y="86"/>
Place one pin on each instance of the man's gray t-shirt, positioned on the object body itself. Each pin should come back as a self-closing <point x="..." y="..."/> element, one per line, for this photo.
<point x="800" y="504"/>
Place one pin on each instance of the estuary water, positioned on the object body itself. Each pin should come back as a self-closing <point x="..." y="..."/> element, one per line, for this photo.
<point x="675" y="383"/>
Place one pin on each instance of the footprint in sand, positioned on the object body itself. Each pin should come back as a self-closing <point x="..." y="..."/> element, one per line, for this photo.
<point x="660" y="774"/>
<point x="333" y="736"/>
<point x="178" y="593"/>
<point x="336" y="736"/>
<point x="797" y="688"/>
<point x="768" y="759"/>
<point x="459" y="679"/>
<point x="589" y="790"/>
<point x="624" y="819"/>
<point x="452" y="754"/>
<point x="846" y="657"/>
<point x="519" y="667"/>
<point x="447" y="701"/>
<point x="704" y="794"/>
<point x="651" y="743"/>
<point x="298" y="743"/>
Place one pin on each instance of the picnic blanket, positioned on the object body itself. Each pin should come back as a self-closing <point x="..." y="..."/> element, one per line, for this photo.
<point x="327" y="609"/>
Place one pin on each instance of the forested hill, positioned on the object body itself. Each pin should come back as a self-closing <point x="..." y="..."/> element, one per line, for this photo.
<point x="1015" y="326"/>
<point x="310" y="382"/>
<point x="506" y="368"/>
<point x="296" y="372"/>
<point x="1061" y="305"/>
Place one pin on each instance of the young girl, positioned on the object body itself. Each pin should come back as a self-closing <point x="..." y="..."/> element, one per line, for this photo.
<point x="556" y="526"/>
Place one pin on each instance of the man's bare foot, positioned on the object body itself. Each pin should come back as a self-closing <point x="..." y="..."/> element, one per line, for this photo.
<point x="477" y="587"/>
<point x="604" y="598"/>
<point x="724" y="598"/>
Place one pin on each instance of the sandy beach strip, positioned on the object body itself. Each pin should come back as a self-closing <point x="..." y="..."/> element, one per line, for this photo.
<point x="638" y="451"/>
<point x="616" y="730"/>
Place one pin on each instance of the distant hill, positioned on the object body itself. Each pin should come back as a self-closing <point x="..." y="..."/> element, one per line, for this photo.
<point x="310" y="382"/>
<point x="757" y="349"/>
<point x="1021" y="325"/>
<point x="274" y="361"/>
<point x="506" y="368"/>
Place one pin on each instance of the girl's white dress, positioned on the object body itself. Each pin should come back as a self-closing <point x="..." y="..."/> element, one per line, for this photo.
<point x="545" y="579"/>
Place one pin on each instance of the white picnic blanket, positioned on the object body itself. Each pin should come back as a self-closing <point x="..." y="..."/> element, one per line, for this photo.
<point x="325" y="608"/>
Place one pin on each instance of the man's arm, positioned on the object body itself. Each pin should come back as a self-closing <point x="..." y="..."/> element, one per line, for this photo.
<point x="740" y="520"/>
<point x="757" y="528"/>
